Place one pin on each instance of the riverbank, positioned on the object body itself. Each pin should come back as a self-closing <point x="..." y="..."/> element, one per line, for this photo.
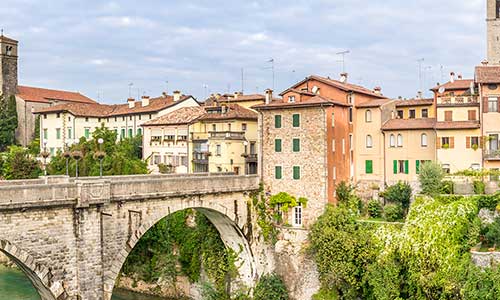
<point x="182" y="289"/>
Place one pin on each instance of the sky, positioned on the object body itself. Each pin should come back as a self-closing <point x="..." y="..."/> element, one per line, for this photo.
<point x="100" y="47"/>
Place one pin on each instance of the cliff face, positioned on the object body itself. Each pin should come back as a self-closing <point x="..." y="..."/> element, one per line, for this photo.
<point x="181" y="289"/>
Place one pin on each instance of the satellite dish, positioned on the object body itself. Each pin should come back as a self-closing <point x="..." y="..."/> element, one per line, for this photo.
<point x="441" y="90"/>
<point x="315" y="89"/>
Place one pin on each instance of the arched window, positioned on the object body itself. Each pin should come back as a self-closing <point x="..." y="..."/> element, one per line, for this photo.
<point x="369" y="141"/>
<point x="400" y="140"/>
<point x="423" y="140"/>
<point x="368" y="116"/>
<point x="392" y="141"/>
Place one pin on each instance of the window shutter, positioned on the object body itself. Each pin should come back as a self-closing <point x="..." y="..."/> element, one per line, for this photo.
<point x="277" y="145"/>
<point x="417" y="166"/>
<point x="296" y="120"/>
<point x="452" y="142"/>
<point x="407" y="167"/>
<point x="438" y="142"/>
<point x="467" y="142"/>
<point x="277" y="121"/>
<point x="395" y="166"/>
<point x="369" y="166"/>
<point x="296" y="172"/>
<point x="481" y="142"/>
<point x="498" y="104"/>
<point x="485" y="104"/>
<point x="277" y="172"/>
<point x="296" y="145"/>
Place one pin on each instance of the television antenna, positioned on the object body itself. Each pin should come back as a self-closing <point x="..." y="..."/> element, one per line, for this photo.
<point x="130" y="89"/>
<point x="343" y="53"/>
<point x="420" y="62"/>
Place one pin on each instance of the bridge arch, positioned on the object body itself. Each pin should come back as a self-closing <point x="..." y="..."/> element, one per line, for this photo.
<point x="224" y="221"/>
<point x="39" y="275"/>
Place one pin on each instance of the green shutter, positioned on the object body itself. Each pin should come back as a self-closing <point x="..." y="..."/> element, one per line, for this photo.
<point x="277" y="145"/>
<point x="139" y="131"/>
<point x="296" y="120"/>
<point x="277" y="121"/>
<point x="123" y="133"/>
<point x="58" y="133"/>
<point x="369" y="166"/>
<point x="395" y="166"/>
<point x="87" y="133"/>
<point x="130" y="132"/>
<point x="407" y="167"/>
<point x="296" y="145"/>
<point x="296" y="172"/>
<point x="417" y="166"/>
<point x="277" y="172"/>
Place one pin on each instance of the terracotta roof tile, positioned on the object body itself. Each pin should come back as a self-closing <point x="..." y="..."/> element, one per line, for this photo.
<point x="409" y="124"/>
<point x="373" y="103"/>
<point x="488" y="74"/>
<point x="104" y="110"/>
<point x="227" y="98"/>
<point x="33" y="94"/>
<point x="458" y="125"/>
<point x="459" y="84"/>
<point x="314" y="101"/>
<point x="184" y="115"/>
<point x="414" y="102"/>
<point x="234" y="111"/>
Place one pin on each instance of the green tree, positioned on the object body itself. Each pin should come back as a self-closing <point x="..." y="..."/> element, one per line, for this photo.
<point x="18" y="163"/>
<point x="8" y="122"/>
<point x="431" y="176"/>
<point x="270" y="287"/>
<point x="400" y="193"/>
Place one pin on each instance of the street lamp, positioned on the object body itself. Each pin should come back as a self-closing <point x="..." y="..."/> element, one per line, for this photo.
<point x="67" y="156"/>
<point x="45" y="154"/>
<point x="77" y="155"/>
<point x="100" y="155"/>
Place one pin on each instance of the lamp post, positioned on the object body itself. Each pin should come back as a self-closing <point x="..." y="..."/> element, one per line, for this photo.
<point x="45" y="154"/>
<point x="77" y="155"/>
<point x="67" y="156"/>
<point x="100" y="155"/>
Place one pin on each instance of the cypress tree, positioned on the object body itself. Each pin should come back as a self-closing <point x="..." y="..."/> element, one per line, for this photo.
<point x="8" y="122"/>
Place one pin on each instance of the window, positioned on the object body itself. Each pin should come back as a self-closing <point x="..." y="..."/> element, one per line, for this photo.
<point x="492" y="104"/>
<point x="425" y="113"/>
<point x="351" y="144"/>
<point x="350" y="115"/>
<point x="99" y="120"/>
<point x="130" y="118"/>
<point x="446" y="168"/>
<point x="157" y="159"/>
<point x="296" y="172"/>
<point x="58" y="133"/>
<point x="277" y="121"/>
<point x="291" y="99"/>
<point x="70" y="133"/>
<point x="243" y="127"/>
<point x="472" y="115"/>
<point x="297" y="215"/>
<point x="369" y="166"/>
<point x="296" y="145"/>
<point x="400" y="140"/>
<point x="140" y="117"/>
<point x="400" y="114"/>
<point x="45" y="116"/>
<point x="150" y="116"/>
<point x="392" y="141"/>
<point x="139" y="131"/>
<point x="413" y="114"/>
<point x="447" y="142"/>
<point x="368" y="116"/>
<point x="228" y="126"/>
<point x="116" y="119"/>
<point x="343" y="146"/>
<point x="401" y="166"/>
<point x="494" y="142"/>
<point x="122" y="135"/>
<point x="475" y="167"/>
<point x="423" y="140"/>
<point x="369" y="141"/>
<point x="492" y="86"/>
<point x="123" y="118"/>
<point x="278" y="174"/>
<point x="333" y="119"/>
<point x="218" y="150"/>
<point x="86" y="119"/>
<point x="130" y="132"/>
<point x="277" y="145"/>
<point x="333" y="145"/>
<point x="296" y="120"/>
<point x="214" y="127"/>
<point x="472" y="142"/>
<point x="87" y="133"/>
<point x="107" y="120"/>
<point x="448" y="116"/>
<point x="58" y="115"/>
<point x="418" y="163"/>
<point x="52" y="151"/>
<point x="45" y="134"/>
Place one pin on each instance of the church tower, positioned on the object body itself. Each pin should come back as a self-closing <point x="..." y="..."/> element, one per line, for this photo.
<point x="493" y="28"/>
<point x="8" y="65"/>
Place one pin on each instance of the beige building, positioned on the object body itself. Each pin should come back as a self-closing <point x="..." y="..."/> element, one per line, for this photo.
<point x="166" y="139"/>
<point x="224" y="139"/>
<point x="64" y="124"/>
<point x="246" y="101"/>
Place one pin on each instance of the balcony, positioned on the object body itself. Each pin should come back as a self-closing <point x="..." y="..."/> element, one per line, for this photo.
<point x="492" y="154"/>
<point x="227" y="135"/>
<point x="250" y="158"/>
<point x="458" y="101"/>
<point x="201" y="157"/>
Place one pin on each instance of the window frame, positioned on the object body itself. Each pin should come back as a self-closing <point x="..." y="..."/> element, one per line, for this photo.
<point x="424" y="137"/>
<point x="280" y="168"/>
<point x="296" y="145"/>
<point x="399" y="141"/>
<point x="296" y="173"/>
<point x="296" y="120"/>
<point x="278" y="121"/>
<point x="368" y="116"/>
<point x="369" y="141"/>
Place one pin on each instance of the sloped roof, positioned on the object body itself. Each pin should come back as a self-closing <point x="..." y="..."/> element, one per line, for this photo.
<point x="458" y="125"/>
<point x="105" y="110"/>
<point x="234" y="111"/>
<point x="184" y="115"/>
<point x="414" y="102"/>
<point x="3" y="38"/>
<point x="409" y="124"/>
<point x="373" y="103"/>
<point x="487" y="74"/>
<point x="314" y="101"/>
<point x="34" y="94"/>
<point x="228" y="98"/>
<point x="459" y="84"/>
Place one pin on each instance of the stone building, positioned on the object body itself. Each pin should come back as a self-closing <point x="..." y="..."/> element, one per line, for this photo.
<point x="28" y="99"/>
<point x="246" y="101"/>
<point x="493" y="31"/>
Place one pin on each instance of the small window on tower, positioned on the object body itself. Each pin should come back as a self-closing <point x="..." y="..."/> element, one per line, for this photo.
<point x="8" y="50"/>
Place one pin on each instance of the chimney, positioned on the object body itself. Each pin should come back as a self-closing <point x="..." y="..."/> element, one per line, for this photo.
<point x="145" y="100"/>
<point x="237" y="94"/>
<point x="269" y="96"/>
<point x="452" y="77"/>
<point x="164" y="94"/>
<point x="419" y="95"/>
<point x="378" y="90"/>
<point x="131" y="102"/>
<point x="343" y="77"/>
<point x="484" y="62"/>
<point x="177" y="96"/>
<point x="460" y="77"/>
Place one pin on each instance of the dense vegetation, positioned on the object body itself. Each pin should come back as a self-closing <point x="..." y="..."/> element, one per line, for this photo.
<point x="18" y="163"/>
<point x="8" y="122"/>
<point x="426" y="258"/>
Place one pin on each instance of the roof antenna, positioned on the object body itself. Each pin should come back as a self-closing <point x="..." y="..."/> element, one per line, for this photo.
<point x="242" y="81"/>
<point x="343" y="53"/>
<point x="420" y="61"/>
<point x="1" y="30"/>
<point x="130" y="89"/>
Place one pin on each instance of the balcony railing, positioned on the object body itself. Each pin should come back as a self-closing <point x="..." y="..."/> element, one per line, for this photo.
<point x="492" y="155"/>
<point x="201" y="157"/>
<point x="250" y="157"/>
<point x="458" y="100"/>
<point x="227" y="135"/>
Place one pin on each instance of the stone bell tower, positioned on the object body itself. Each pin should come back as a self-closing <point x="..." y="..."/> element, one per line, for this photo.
<point x="493" y="29"/>
<point x="8" y="65"/>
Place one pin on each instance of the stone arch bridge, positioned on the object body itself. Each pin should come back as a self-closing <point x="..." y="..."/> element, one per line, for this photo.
<point x="71" y="236"/>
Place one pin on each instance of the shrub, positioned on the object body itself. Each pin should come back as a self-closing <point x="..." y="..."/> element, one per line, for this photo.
<point x="489" y="202"/>
<point x="344" y="192"/>
<point x="492" y="234"/>
<point x="324" y="294"/>
<point x="479" y="187"/>
<point x="393" y="212"/>
<point x="270" y="287"/>
<point x="374" y="209"/>
<point x="400" y="193"/>
<point x="482" y="284"/>
<point x="448" y="187"/>
<point x="431" y="175"/>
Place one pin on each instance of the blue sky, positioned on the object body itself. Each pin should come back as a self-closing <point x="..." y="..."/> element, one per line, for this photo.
<point x="99" y="47"/>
